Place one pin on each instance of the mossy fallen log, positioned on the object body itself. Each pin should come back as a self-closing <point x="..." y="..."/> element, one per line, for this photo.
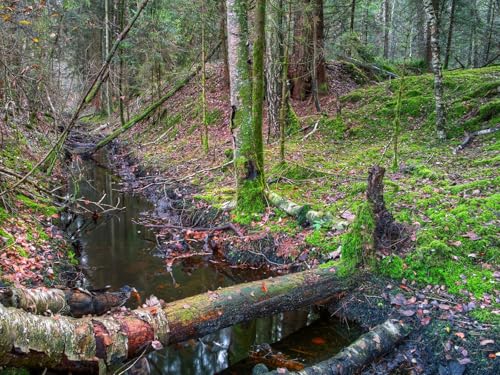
<point x="304" y="213"/>
<point x="380" y="340"/>
<point x="67" y="343"/>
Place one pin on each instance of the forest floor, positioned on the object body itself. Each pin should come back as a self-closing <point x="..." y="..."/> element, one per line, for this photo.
<point x="446" y="279"/>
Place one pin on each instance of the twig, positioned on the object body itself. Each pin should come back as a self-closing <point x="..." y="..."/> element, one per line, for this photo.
<point x="312" y="131"/>
<point x="469" y="137"/>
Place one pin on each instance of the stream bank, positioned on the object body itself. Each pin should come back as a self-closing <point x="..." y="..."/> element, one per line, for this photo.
<point x="117" y="250"/>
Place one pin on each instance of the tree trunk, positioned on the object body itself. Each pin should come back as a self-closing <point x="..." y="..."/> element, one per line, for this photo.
<point x="66" y="343"/>
<point x="204" y="130"/>
<point x="223" y="38"/>
<point x="274" y="65"/>
<point x="491" y="24"/>
<point x="248" y="148"/>
<point x="284" y="109"/>
<point x="432" y="15"/>
<point x="387" y="23"/>
<point x="258" y="88"/>
<point x="353" y="15"/>
<point x="362" y="352"/>
<point x="106" y="52"/>
<point x="450" y="34"/>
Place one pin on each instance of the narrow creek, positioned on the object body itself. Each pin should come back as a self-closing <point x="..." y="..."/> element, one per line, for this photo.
<point x="116" y="251"/>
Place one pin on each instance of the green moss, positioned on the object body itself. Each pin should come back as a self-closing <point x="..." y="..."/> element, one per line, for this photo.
<point x="8" y="236"/>
<point x="318" y="240"/>
<point x="392" y="266"/>
<point x="486" y="316"/>
<point x="334" y="127"/>
<point x="358" y="244"/>
<point x="42" y="208"/>
<point x="293" y="123"/>
<point x="250" y="202"/>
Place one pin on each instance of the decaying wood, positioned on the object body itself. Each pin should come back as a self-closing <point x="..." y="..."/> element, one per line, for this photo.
<point x="388" y="232"/>
<point x="374" y="68"/>
<point x="304" y="211"/>
<point x="469" y="137"/>
<point x="363" y="351"/>
<point x="61" y="342"/>
<point x="75" y="302"/>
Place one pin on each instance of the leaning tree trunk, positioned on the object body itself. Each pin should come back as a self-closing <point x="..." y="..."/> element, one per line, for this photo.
<point x="248" y="149"/>
<point x="66" y="343"/>
<point x="432" y="15"/>
<point x="274" y="65"/>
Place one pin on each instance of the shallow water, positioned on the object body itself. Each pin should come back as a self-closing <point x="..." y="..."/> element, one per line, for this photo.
<point x="116" y="251"/>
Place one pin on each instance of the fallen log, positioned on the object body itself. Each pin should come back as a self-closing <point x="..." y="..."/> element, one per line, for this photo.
<point x="469" y="137"/>
<point x="152" y="107"/>
<point x="363" y="351"/>
<point x="304" y="213"/>
<point x="69" y="301"/>
<point x="67" y="343"/>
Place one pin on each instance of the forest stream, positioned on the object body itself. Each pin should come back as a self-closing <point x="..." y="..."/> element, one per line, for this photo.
<point x="117" y="251"/>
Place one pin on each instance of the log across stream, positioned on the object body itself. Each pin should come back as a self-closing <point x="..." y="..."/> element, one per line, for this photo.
<point x="116" y="252"/>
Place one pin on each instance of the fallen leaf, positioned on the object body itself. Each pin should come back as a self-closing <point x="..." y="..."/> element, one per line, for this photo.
<point x="425" y="321"/>
<point x="460" y="334"/>
<point x="264" y="287"/>
<point x="318" y="341"/>
<point x="464" y="361"/>
<point x="472" y="236"/>
<point x="407" y="312"/>
<point x="156" y="345"/>
<point x="486" y="342"/>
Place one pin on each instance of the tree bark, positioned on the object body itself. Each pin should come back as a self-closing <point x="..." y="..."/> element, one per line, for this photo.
<point x="432" y="15"/>
<point x="450" y="34"/>
<point x="247" y="139"/>
<point x="387" y="22"/>
<point x="353" y="15"/>
<point x="274" y="65"/>
<point x="362" y="352"/>
<point x="85" y="344"/>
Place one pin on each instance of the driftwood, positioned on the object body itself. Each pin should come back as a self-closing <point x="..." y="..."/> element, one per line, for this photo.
<point x="469" y="137"/>
<point x="75" y="302"/>
<point x="152" y="107"/>
<point x="66" y="343"/>
<point x="363" y="351"/>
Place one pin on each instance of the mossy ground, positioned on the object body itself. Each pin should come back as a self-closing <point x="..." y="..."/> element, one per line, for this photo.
<point x="452" y="201"/>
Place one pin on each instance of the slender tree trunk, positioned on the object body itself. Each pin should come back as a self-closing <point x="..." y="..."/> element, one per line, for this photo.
<point x="204" y="132"/>
<point x="387" y="23"/>
<point x="223" y="36"/>
<point x="491" y="23"/>
<point x="314" y="78"/>
<point x="248" y="151"/>
<point x="450" y="34"/>
<point x="353" y="15"/>
<point x="321" y="79"/>
<point x="274" y="65"/>
<point x="106" y="52"/>
<point x="284" y="84"/>
<point x="121" y="95"/>
<point x="258" y="84"/>
<point x="432" y="13"/>
<point x="301" y="75"/>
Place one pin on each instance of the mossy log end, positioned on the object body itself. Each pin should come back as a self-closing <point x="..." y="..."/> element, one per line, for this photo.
<point x="67" y="343"/>
<point x="303" y="213"/>
<point x="363" y="351"/>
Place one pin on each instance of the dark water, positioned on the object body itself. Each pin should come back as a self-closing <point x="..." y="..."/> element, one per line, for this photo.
<point x="116" y="251"/>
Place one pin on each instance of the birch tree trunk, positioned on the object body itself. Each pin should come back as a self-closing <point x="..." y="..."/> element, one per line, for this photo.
<point x="274" y="64"/>
<point x="65" y="343"/>
<point x="432" y="15"/>
<point x="248" y="148"/>
<point x="387" y="22"/>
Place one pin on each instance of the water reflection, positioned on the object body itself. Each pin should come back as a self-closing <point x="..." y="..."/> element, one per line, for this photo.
<point x="116" y="251"/>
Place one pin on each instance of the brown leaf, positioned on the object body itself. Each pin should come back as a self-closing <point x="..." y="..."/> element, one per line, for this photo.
<point x="407" y="312"/>
<point x="460" y="334"/>
<point x="443" y="306"/>
<point x="425" y="321"/>
<point x="472" y="236"/>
